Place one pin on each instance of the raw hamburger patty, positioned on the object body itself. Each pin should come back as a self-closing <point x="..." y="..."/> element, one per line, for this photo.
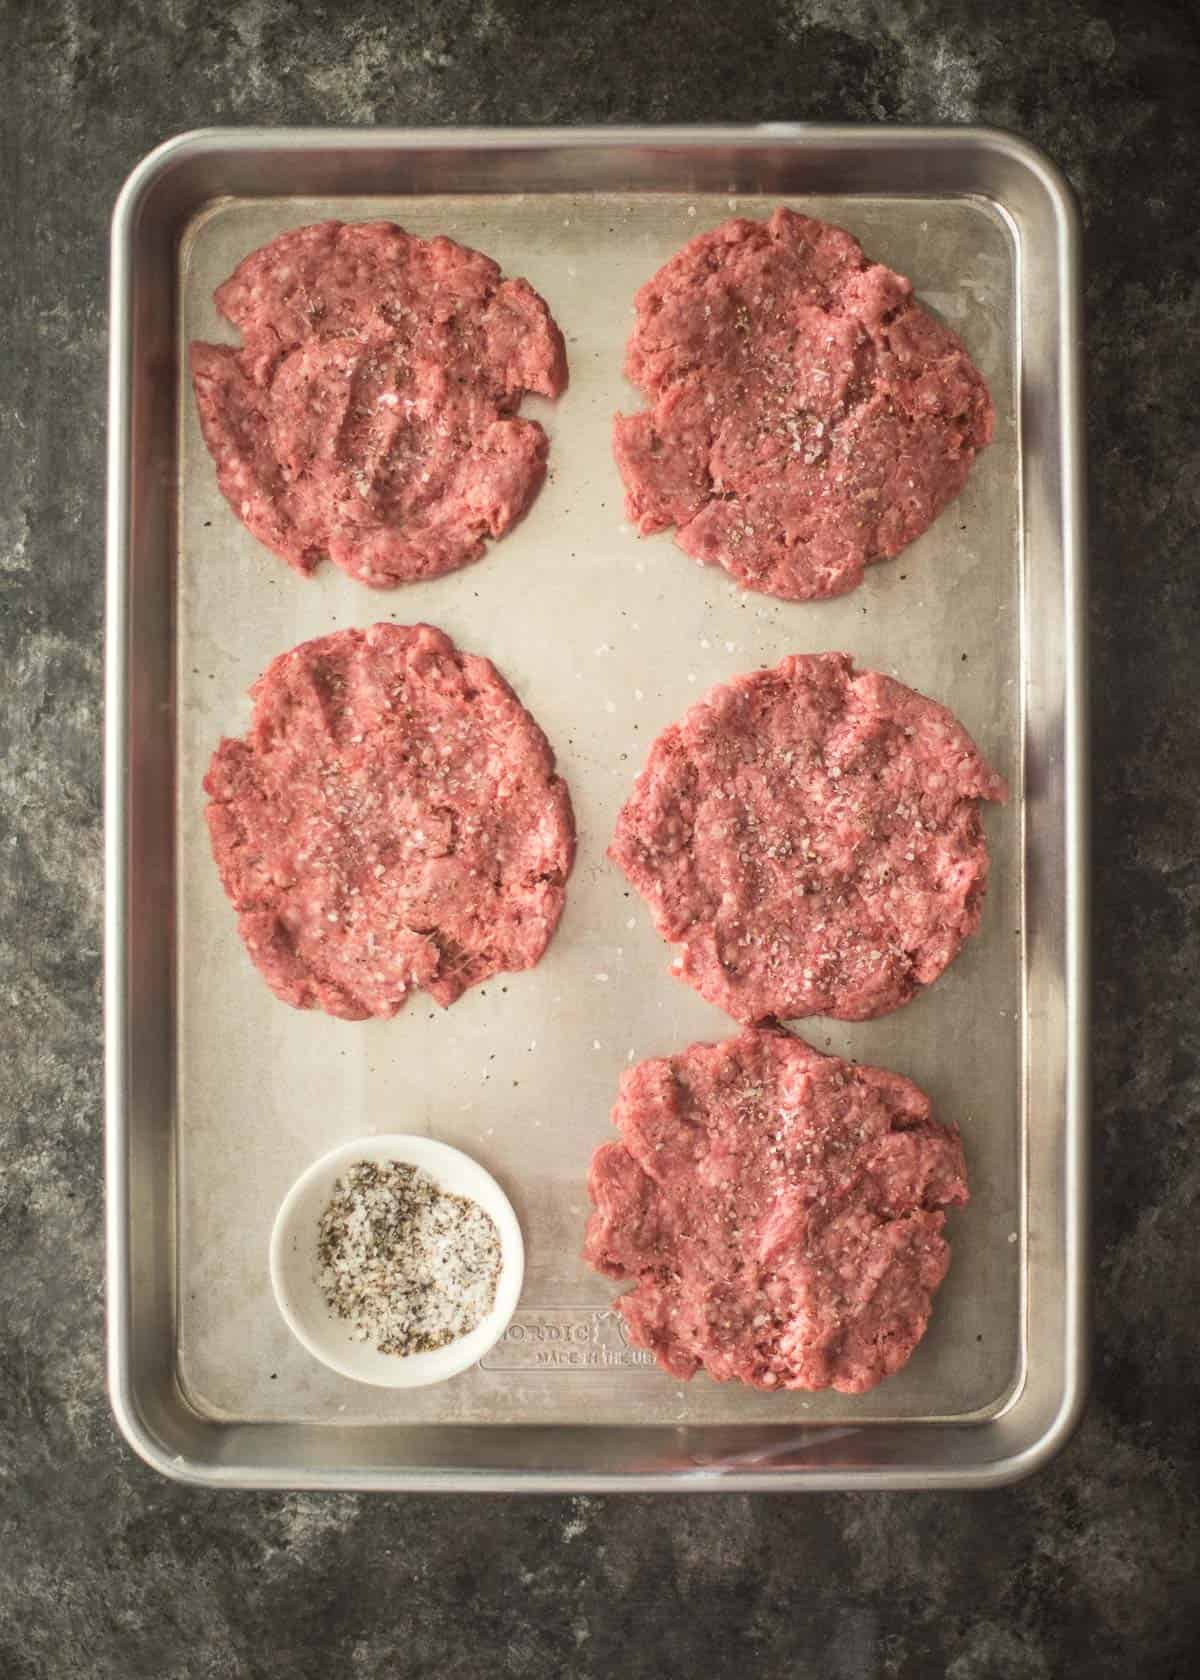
<point x="392" y="821"/>
<point x="806" y="416"/>
<point x="780" y="1211"/>
<point x="812" y="837"/>
<point x="369" y="414"/>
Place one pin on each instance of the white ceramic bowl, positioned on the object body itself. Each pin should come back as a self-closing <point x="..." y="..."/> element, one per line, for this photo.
<point x="294" y="1263"/>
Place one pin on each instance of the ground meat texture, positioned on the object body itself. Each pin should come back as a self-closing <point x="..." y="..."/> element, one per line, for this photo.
<point x="806" y="416"/>
<point x="811" y="835"/>
<point x="391" y="823"/>
<point x="369" y="414"/>
<point x="780" y="1212"/>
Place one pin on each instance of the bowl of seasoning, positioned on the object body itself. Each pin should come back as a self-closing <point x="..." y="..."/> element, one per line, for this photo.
<point x="397" y="1260"/>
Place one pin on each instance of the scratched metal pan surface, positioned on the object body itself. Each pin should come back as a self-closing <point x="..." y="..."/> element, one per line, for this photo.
<point x="219" y="1095"/>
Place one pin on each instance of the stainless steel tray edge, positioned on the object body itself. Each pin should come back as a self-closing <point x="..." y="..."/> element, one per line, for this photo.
<point x="148" y="1403"/>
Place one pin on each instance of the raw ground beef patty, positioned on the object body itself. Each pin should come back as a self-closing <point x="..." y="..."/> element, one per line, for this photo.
<point x="369" y="413"/>
<point x="391" y="822"/>
<point x="811" y="835"/>
<point x="779" y="1210"/>
<point x="806" y="416"/>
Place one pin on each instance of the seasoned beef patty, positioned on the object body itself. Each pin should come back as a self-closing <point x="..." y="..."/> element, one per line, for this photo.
<point x="369" y="414"/>
<point x="391" y="823"/>
<point x="811" y="835"/>
<point x="779" y="1211"/>
<point x="805" y="416"/>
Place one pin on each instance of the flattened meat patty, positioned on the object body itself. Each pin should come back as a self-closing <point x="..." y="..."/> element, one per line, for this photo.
<point x="369" y="413"/>
<point x="811" y="835"/>
<point x="780" y="1212"/>
<point x="392" y="822"/>
<point x="806" y="416"/>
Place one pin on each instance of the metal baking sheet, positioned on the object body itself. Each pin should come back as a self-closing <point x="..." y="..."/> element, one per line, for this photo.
<point x="606" y="638"/>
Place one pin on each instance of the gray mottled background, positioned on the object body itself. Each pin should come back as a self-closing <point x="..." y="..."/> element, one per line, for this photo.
<point x="1090" y="1568"/>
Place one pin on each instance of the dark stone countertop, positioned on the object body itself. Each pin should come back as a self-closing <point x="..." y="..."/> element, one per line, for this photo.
<point x="1090" y="1568"/>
